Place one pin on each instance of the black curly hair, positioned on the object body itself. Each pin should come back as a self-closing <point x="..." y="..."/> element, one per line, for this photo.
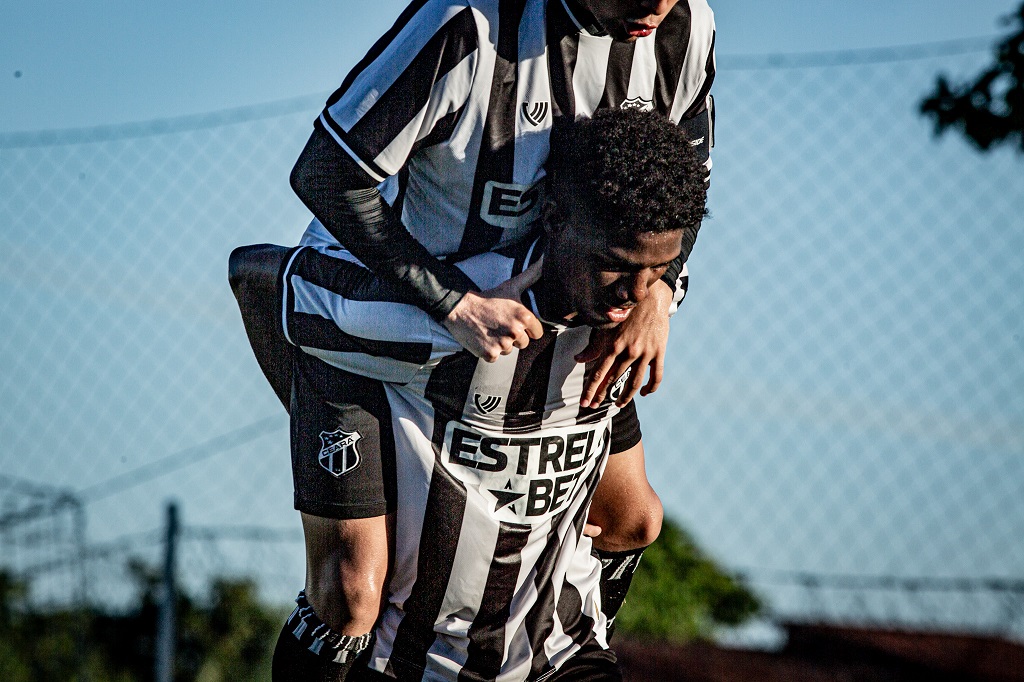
<point x="635" y="169"/>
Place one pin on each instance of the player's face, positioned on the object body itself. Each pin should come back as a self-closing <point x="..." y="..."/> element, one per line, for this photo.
<point x="627" y="20"/>
<point x="598" y="281"/>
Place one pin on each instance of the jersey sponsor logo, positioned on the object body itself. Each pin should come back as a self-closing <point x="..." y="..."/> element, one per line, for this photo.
<point x="508" y="205"/>
<point x="486" y="403"/>
<point x="339" y="454"/>
<point x="696" y="143"/>
<point x="535" y="113"/>
<point x="638" y="103"/>
<point x="528" y="477"/>
<point x="616" y="390"/>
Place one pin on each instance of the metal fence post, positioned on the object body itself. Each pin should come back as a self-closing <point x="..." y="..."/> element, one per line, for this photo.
<point x="166" y="626"/>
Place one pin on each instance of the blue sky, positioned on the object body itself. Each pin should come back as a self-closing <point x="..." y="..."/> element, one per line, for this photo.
<point x="86" y="63"/>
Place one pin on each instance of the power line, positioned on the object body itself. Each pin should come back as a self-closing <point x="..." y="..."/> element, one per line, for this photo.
<point x="181" y="459"/>
<point x="312" y="103"/>
<point x="877" y="55"/>
<point x="871" y="583"/>
<point x="164" y="126"/>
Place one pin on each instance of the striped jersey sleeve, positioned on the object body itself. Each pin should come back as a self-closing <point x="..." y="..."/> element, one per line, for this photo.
<point x="338" y="310"/>
<point x="409" y="87"/>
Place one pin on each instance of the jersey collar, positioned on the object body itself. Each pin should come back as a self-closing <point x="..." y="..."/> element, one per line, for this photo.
<point x="582" y="18"/>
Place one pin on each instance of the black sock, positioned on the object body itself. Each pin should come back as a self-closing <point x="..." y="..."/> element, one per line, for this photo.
<point x="309" y="651"/>
<point x="616" y="574"/>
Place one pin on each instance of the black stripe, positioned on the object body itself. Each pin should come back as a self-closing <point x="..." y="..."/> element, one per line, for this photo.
<point x="410" y="92"/>
<point x="314" y="331"/>
<point x="342" y="277"/>
<point x="670" y="45"/>
<point x="563" y="40"/>
<point x="616" y="80"/>
<point x="540" y="620"/>
<point x="497" y="148"/>
<point x="487" y="633"/>
<point x="528" y="391"/>
<point x="442" y="523"/>
<point x="378" y="48"/>
<point x="709" y="78"/>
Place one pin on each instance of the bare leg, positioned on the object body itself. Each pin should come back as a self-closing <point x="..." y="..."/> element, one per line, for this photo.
<point x="346" y="566"/>
<point x="625" y="506"/>
<point x="629" y="514"/>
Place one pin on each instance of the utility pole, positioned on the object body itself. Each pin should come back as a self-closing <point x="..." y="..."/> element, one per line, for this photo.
<point x="166" y="630"/>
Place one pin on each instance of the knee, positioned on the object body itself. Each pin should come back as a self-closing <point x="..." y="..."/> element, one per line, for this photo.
<point x="634" y="524"/>
<point x="644" y="525"/>
<point x="346" y="594"/>
<point x="254" y="265"/>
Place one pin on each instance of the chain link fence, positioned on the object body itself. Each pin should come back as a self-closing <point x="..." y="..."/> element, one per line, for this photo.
<point x="842" y="421"/>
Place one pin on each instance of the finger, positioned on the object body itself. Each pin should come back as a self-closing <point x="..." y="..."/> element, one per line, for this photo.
<point x="633" y="384"/>
<point x="595" y="381"/>
<point x="522" y="340"/>
<point x="533" y="327"/>
<point x="591" y="531"/>
<point x="610" y="377"/>
<point x="657" y="373"/>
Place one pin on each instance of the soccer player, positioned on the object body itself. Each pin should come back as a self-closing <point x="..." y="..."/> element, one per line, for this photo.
<point x="433" y="150"/>
<point x="497" y="462"/>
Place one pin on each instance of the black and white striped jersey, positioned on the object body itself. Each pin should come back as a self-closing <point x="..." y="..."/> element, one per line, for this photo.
<point x="496" y="466"/>
<point x="452" y="109"/>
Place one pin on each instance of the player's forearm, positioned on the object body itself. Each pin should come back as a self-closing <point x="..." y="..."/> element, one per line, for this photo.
<point x="348" y="204"/>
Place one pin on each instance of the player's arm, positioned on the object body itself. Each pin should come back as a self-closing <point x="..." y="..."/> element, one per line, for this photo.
<point x="345" y="199"/>
<point x="410" y="88"/>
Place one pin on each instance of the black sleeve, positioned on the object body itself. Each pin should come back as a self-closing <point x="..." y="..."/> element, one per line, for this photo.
<point x="625" y="429"/>
<point x="345" y="199"/>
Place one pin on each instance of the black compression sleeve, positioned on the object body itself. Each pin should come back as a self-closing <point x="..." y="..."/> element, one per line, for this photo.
<point x="345" y="199"/>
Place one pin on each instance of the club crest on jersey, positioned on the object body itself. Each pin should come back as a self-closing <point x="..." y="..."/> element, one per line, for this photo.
<point x="339" y="454"/>
<point x="638" y="103"/>
<point x="616" y="390"/>
<point x="486" y="403"/>
<point x="535" y="113"/>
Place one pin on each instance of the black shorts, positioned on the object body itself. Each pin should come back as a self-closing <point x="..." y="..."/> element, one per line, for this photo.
<point x="343" y="448"/>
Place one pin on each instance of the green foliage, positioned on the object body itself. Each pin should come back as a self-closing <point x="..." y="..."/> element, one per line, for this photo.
<point x="678" y="594"/>
<point x="228" y="637"/>
<point x="989" y="110"/>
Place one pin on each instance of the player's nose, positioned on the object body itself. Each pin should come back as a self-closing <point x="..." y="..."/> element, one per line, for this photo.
<point x="633" y="288"/>
<point x="657" y="7"/>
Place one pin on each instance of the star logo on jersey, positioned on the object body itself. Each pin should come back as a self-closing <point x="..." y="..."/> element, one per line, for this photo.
<point x="339" y="454"/>
<point x="535" y="113"/>
<point x="638" y="103"/>
<point x="505" y="497"/>
<point x="486" y="403"/>
<point x="616" y="390"/>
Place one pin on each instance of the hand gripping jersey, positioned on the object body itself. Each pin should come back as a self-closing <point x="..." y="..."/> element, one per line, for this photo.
<point x="452" y="109"/>
<point x="496" y="466"/>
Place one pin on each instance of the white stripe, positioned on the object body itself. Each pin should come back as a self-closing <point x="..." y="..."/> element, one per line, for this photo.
<point x="702" y="31"/>
<point x="284" y="302"/>
<point x="644" y="70"/>
<point x="588" y="79"/>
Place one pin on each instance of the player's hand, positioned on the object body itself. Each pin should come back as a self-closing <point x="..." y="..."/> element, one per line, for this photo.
<point x="591" y="531"/>
<point x="638" y="343"/>
<point x="493" y="322"/>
